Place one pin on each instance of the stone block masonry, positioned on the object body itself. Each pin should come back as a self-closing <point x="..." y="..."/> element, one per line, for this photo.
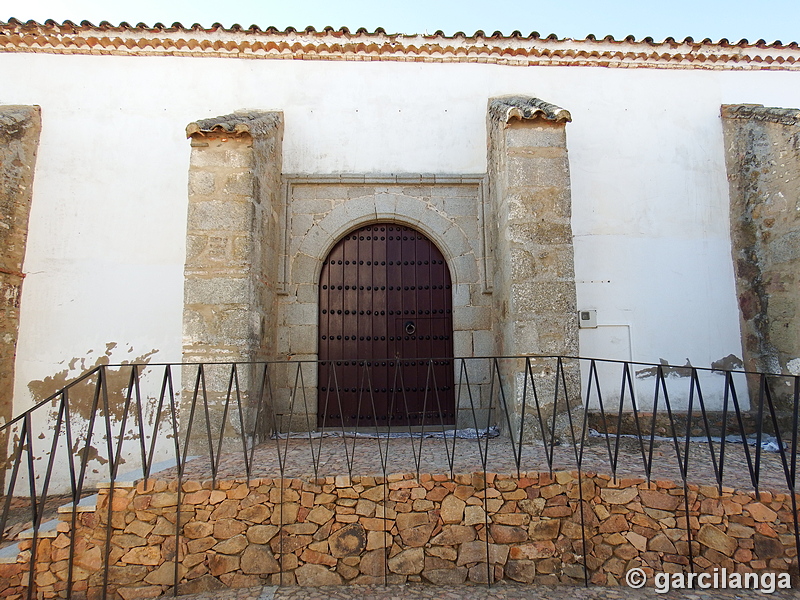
<point x="532" y="251"/>
<point x="20" y="127"/>
<point x="233" y="243"/>
<point x="436" y="529"/>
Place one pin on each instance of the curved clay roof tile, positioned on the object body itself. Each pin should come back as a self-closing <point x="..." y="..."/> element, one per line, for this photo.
<point x="506" y="108"/>
<point x="511" y="49"/>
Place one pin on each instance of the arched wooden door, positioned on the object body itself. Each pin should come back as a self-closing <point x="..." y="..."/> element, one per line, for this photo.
<point x="385" y="331"/>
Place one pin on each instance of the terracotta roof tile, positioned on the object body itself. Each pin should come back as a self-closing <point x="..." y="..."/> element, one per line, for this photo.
<point x="246" y="121"/>
<point x="342" y="44"/>
<point x="506" y="108"/>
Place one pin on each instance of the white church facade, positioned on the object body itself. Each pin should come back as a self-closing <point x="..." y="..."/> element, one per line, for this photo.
<point x="185" y="194"/>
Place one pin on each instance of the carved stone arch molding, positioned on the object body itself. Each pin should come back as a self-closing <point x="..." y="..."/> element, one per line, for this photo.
<point x="386" y="207"/>
<point x="322" y="210"/>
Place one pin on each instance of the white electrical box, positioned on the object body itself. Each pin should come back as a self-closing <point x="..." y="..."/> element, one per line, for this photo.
<point x="587" y="319"/>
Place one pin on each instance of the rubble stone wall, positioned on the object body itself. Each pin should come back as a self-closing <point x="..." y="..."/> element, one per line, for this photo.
<point x="433" y="529"/>
<point x="762" y="153"/>
<point x="20" y="127"/>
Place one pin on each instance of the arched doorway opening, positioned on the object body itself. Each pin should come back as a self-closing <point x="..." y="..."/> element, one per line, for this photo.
<point x="385" y="331"/>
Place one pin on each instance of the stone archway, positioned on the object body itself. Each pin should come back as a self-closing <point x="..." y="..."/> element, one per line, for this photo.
<point x="323" y="210"/>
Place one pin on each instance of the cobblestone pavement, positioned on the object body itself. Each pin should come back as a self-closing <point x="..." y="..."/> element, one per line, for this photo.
<point x="464" y="592"/>
<point x="365" y="456"/>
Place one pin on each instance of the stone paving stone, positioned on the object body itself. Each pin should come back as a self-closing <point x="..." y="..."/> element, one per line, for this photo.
<point x="501" y="591"/>
<point x="377" y="457"/>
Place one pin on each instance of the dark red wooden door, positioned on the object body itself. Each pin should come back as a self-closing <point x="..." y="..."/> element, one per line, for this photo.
<point x="385" y="331"/>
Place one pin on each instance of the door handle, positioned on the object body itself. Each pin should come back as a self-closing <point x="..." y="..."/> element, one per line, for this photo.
<point x="410" y="327"/>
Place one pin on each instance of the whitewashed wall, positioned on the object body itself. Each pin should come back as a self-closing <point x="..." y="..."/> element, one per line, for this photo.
<point x="107" y="229"/>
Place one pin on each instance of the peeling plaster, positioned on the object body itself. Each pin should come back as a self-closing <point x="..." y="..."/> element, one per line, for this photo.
<point x="81" y="396"/>
<point x="793" y="366"/>
<point x="81" y="403"/>
<point x="728" y="363"/>
<point x="666" y="369"/>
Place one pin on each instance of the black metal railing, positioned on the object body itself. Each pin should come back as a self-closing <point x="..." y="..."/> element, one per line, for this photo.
<point x="498" y="414"/>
